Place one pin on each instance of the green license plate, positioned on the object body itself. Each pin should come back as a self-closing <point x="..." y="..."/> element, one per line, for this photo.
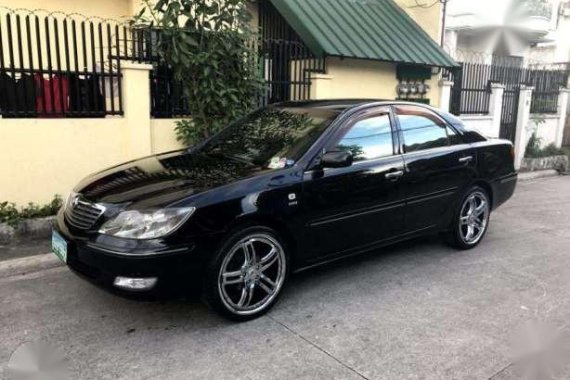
<point x="59" y="246"/>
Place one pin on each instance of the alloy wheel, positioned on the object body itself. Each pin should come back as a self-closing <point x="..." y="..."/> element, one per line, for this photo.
<point x="473" y="217"/>
<point x="252" y="274"/>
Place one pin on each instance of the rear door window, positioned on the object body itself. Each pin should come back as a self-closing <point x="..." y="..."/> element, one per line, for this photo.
<point x="422" y="129"/>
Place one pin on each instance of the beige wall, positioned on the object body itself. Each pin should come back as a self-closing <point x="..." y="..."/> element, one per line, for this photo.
<point x="43" y="157"/>
<point x="428" y="18"/>
<point x="101" y="8"/>
<point x="354" y="78"/>
<point x="164" y="136"/>
<point x="364" y="79"/>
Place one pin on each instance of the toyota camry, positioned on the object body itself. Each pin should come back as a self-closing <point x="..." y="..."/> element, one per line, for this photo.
<point x="288" y="187"/>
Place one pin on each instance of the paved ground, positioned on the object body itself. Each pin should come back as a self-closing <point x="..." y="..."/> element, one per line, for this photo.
<point x="24" y="248"/>
<point x="419" y="310"/>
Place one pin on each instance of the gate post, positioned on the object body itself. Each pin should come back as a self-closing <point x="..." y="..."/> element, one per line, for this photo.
<point x="562" y="115"/>
<point x="496" y="107"/>
<point x="523" y="118"/>
<point x="136" y="105"/>
<point x="445" y="94"/>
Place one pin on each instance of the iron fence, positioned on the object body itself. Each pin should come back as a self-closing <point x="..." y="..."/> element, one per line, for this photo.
<point x="546" y="84"/>
<point x="167" y="95"/>
<point x="60" y="65"/>
<point x="471" y="91"/>
<point x="287" y="68"/>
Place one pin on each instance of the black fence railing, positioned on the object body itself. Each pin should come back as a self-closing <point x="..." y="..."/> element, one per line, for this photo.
<point x="286" y="67"/>
<point x="167" y="95"/>
<point x="546" y="83"/>
<point x="287" y="63"/>
<point x="472" y="85"/>
<point x="58" y="65"/>
<point x="471" y="92"/>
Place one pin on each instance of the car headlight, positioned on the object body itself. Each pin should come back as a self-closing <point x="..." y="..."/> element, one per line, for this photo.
<point x="146" y="224"/>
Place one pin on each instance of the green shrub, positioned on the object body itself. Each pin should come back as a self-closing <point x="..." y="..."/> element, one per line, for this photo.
<point x="210" y="47"/>
<point x="13" y="216"/>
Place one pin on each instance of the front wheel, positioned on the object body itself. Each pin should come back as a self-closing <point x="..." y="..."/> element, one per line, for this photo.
<point x="471" y="220"/>
<point x="247" y="274"/>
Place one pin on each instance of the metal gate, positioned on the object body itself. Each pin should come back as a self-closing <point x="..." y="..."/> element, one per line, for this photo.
<point x="509" y="114"/>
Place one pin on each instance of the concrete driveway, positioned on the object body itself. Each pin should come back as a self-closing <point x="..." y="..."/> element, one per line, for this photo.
<point x="419" y="310"/>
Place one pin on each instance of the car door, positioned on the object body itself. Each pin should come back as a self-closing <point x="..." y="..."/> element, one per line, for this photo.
<point x="438" y="166"/>
<point x="356" y="206"/>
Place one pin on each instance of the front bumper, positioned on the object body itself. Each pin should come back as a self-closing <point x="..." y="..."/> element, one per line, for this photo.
<point x="176" y="269"/>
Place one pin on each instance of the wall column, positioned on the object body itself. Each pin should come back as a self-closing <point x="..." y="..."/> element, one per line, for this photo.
<point x="562" y="114"/>
<point x="523" y="117"/>
<point x="496" y="108"/>
<point x="320" y="86"/>
<point x="135" y="89"/>
<point x="445" y="94"/>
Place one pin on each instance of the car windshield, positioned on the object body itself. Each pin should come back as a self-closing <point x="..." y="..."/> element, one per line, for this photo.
<point x="272" y="137"/>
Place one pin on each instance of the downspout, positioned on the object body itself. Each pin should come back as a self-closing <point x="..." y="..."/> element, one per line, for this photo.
<point x="443" y="21"/>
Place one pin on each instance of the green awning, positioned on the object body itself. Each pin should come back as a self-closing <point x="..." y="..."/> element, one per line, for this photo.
<point x="367" y="29"/>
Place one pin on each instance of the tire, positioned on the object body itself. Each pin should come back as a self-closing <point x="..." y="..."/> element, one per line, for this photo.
<point x="247" y="274"/>
<point x="467" y="230"/>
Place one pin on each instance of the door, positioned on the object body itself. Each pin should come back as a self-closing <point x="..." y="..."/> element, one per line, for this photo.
<point x="438" y="166"/>
<point x="509" y="114"/>
<point x="356" y="206"/>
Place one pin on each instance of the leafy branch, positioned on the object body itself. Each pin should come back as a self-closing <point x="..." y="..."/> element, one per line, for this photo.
<point x="208" y="47"/>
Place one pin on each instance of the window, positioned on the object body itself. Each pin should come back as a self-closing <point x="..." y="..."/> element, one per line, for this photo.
<point x="422" y="129"/>
<point x="272" y="137"/>
<point x="368" y="139"/>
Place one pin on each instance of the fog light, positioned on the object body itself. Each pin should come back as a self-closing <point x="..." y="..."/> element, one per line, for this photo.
<point x="135" y="283"/>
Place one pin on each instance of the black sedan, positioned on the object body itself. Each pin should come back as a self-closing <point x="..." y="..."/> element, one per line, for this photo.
<point x="286" y="188"/>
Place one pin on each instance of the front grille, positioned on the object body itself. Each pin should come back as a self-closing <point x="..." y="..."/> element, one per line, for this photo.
<point x="83" y="215"/>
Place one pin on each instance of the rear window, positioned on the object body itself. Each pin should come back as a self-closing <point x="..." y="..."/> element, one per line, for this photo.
<point x="470" y="134"/>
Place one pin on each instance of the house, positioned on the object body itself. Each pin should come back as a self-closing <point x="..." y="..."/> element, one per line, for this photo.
<point x="78" y="93"/>
<point x="514" y="58"/>
<point x="555" y="46"/>
<point x="507" y="28"/>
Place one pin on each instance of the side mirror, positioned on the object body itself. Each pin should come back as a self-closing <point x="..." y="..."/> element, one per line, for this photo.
<point x="336" y="159"/>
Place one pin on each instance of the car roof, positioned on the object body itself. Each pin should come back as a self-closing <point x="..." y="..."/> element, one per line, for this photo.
<point x="332" y="104"/>
<point x="341" y="105"/>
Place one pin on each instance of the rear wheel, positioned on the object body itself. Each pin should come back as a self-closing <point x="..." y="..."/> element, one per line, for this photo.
<point x="471" y="220"/>
<point x="246" y="276"/>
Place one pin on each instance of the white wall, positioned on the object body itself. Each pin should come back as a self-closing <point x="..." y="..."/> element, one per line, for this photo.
<point x="546" y="130"/>
<point x="481" y="123"/>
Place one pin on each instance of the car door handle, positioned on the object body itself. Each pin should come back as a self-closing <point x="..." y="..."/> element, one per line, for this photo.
<point x="466" y="159"/>
<point x="394" y="175"/>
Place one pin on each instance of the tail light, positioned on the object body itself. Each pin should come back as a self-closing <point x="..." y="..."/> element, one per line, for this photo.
<point x="513" y="153"/>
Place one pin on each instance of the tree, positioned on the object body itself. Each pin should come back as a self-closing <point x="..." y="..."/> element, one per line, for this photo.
<point x="209" y="47"/>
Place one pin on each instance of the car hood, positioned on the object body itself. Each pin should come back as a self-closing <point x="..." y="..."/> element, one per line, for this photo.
<point x="163" y="179"/>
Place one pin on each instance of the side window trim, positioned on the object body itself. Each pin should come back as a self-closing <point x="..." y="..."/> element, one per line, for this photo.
<point x="362" y="115"/>
<point x="400" y="132"/>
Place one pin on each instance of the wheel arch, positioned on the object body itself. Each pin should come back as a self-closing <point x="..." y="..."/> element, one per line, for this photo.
<point x="280" y="226"/>
<point x="487" y="187"/>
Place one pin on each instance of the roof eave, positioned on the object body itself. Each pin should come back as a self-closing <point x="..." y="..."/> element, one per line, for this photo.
<point x="449" y="65"/>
